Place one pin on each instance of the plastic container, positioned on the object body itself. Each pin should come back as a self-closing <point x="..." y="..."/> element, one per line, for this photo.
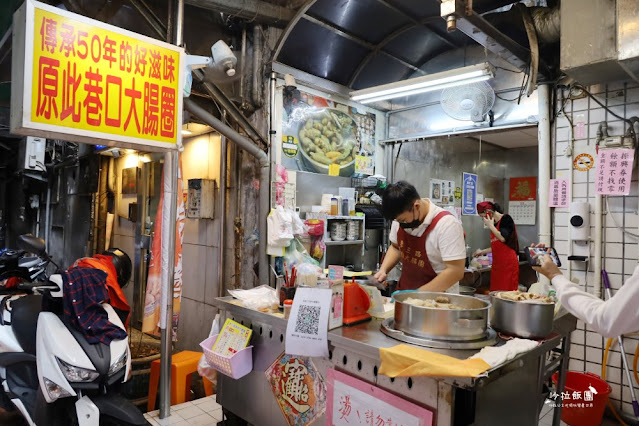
<point x="288" y="305"/>
<point x="315" y="226"/>
<point x="352" y="230"/>
<point x="236" y="366"/>
<point x="581" y="382"/>
<point x="338" y="231"/>
<point x="345" y="210"/>
<point x="334" y="207"/>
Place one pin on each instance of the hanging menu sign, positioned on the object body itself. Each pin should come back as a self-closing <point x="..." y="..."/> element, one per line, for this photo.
<point x="81" y="80"/>
<point x="614" y="171"/>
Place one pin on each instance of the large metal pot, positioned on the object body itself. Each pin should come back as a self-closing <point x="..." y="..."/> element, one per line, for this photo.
<point x="444" y="324"/>
<point x="522" y="319"/>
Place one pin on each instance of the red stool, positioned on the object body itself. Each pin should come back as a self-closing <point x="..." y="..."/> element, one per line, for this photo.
<point x="183" y="364"/>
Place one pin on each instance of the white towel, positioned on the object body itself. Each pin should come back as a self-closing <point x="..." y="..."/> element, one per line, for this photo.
<point x="497" y="355"/>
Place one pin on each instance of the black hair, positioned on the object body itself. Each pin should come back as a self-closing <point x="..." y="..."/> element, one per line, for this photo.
<point x="498" y="208"/>
<point x="398" y="198"/>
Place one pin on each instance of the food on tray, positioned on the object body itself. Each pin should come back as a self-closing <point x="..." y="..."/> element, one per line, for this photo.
<point x="329" y="138"/>
<point x="518" y="296"/>
<point x="441" y="302"/>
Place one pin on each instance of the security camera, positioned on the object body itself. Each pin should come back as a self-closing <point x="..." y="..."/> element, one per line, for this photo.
<point x="223" y="57"/>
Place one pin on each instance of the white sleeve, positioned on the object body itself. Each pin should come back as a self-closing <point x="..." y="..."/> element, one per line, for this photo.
<point x="614" y="317"/>
<point x="393" y="232"/>
<point x="450" y="239"/>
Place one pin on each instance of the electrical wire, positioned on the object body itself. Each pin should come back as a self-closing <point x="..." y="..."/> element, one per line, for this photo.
<point x="622" y="228"/>
<point x="504" y="99"/>
<point x="630" y="121"/>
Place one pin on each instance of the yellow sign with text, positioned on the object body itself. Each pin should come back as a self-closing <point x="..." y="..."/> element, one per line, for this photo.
<point x="95" y="82"/>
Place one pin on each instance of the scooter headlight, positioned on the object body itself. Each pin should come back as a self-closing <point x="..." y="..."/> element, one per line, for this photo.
<point x="77" y="374"/>
<point x="117" y="366"/>
<point x="54" y="390"/>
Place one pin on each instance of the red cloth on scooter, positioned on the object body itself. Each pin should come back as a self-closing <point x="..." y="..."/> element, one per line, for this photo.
<point x="84" y="291"/>
<point x="117" y="297"/>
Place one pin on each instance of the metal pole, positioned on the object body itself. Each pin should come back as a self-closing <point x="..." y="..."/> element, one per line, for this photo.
<point x="265" y="175"/>
<point x="544" y="166"/>
<point x="171" y="170"/>
<point x="223" y="185"/>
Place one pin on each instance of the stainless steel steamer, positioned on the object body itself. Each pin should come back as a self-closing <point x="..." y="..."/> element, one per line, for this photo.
<point x="465" y="324"/>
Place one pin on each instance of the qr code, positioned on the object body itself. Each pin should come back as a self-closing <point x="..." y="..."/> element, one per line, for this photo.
<point x="308" y="319"/>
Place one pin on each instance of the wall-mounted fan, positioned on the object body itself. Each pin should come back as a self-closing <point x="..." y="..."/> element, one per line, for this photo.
<point x="470" y="102"/>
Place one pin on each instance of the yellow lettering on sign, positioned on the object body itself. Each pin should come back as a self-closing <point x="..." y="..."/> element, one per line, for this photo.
<point x="89" y="78"/>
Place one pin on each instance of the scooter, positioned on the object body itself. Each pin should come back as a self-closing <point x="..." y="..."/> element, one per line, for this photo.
<point x="22" y="265"/>
<point x="48" y="369"/>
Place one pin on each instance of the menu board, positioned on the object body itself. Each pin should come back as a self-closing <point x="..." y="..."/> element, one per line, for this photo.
<point x="319" y="134"/>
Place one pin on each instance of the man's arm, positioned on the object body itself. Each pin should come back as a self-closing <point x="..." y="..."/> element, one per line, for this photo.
<point x="616" y="316"/>
<point x="453" y="272"/>
<point x="392" y="257"/>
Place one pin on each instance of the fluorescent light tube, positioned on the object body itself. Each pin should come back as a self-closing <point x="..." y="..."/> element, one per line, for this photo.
<point x="427" y="83"/>
<point x="425" y="89"/>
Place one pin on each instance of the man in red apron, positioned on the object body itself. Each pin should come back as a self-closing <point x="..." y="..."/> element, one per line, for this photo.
<point x="504" y="245"/>
<point x="427" y="239"/>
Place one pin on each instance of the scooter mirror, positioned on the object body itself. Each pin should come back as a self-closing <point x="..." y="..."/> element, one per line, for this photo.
<point x="32" y="244"/>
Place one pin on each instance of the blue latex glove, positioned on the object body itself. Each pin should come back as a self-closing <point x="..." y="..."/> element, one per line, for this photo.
<point x="401" y="291"/>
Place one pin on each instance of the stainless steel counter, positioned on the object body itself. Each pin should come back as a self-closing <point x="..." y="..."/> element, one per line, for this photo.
<point x="513" y="389"/>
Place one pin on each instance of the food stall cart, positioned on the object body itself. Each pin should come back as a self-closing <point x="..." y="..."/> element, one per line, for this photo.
<point x="511" y="393"/>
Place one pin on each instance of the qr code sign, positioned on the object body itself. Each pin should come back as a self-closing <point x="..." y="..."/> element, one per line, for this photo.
<point x="308" y="319"/>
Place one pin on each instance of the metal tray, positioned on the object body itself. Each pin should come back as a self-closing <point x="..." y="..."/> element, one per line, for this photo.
<point x="388" y="328"/>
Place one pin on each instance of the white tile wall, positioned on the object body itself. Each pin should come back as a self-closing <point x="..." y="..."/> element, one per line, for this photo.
<point x="621" y="251"/>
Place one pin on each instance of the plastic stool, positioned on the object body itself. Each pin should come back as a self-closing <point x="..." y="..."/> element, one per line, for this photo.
<point x="183" y="364"/>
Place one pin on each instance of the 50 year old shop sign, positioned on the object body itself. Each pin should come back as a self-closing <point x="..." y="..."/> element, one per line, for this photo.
<point x="81" y="80"/>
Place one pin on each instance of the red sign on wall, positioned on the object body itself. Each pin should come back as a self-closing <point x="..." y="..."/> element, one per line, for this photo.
<point x="523" y="189"/>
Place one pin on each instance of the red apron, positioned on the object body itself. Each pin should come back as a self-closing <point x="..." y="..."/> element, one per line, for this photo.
<point x="416" y="268"/>
<point x="504" y="274"/>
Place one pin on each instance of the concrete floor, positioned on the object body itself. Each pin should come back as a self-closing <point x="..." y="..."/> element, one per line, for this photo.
<point x="206" y="411"/>
<point x="203" y="411"/>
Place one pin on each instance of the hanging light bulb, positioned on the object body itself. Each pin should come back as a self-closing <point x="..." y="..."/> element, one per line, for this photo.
<point x="186" y="132"/>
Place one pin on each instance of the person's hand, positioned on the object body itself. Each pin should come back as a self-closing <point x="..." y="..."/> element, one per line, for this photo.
<point x="546" y="266"/>
<point x="488" y="222"/>
<point x="539" y="245"/>
<point x="478" y="252"/>
<point x="381" y="276"/>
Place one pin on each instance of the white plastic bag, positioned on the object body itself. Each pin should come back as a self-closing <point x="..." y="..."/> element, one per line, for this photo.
<point x="279" y="227"/>
<point x="260" y="298"/>
<point x="204" y="369"/>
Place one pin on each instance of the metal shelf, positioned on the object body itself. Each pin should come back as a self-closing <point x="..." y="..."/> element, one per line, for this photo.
<point x="329" y="217"/>
<point x="343" y="243"/>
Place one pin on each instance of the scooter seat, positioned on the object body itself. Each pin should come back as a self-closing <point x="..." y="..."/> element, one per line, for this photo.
<point x="24" y="320"/>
